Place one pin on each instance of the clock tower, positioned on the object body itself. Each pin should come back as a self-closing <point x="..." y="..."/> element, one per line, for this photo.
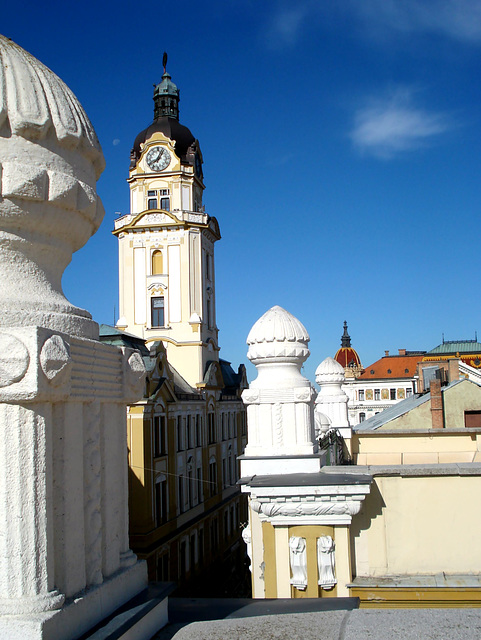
<point x="166" y="243"/>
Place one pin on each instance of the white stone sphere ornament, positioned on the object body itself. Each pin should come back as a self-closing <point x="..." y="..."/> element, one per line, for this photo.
<point x="50" y="160"/>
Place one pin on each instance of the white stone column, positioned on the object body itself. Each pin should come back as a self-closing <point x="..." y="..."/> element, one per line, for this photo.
<point x="65" y="561"/>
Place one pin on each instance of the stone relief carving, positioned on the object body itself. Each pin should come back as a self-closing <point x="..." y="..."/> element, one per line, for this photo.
<point x="92" y="497"/>
<point x="272" y="509"/>
<point x="298" y="559"/>
<point x="326" y="562"/>
<point x="154" y="218"/>
<point x="55" y="359"/>
<point x="14" y="359"/>
<point x="277" y="415"/>
<point x="246" y="536"/>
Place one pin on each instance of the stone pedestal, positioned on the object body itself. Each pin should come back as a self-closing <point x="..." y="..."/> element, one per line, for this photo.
<point x="65" y="561"/>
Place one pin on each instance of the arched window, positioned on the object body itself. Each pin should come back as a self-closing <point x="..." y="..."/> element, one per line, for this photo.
<point x="157" y="263"/>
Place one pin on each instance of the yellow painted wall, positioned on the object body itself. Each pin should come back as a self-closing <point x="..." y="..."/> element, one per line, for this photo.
<point x="426" y="525"/>
<point x="433" y="447"/>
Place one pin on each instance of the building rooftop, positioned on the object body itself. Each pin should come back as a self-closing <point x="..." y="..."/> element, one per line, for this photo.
<point x="313" y="619"/>
<point x="398" y="409"/>
<point x="398" y="366"/>
<point x="456" y="346"/>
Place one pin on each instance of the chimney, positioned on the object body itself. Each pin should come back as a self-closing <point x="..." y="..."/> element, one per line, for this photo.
<point x="386" y="353"/>
<point x="402" y="352"/>
<point x="437" y="410"/>
<point x="453" y="370"/>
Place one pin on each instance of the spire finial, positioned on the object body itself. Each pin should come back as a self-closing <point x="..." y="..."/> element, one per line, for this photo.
<point x="164" y="60"/>
<point x="345" y="338"/>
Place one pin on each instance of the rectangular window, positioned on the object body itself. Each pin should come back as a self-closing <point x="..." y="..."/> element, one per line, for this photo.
<point x="213" y="478"/>
<point x="180" y="439"/>
<point x="393" y="394"/>
<point x="361" y="395"/>
<point x="181" y="494"/>
<point x="165" y="204"/>
<point x="159" y="436"/>
<point x="472" y="419"/>
<point x="160" y="503"/>
<point x="199" y="484"/>
<point x="409" y="392"/>
<point x="211" y="419"/>
<point x="198" y="430"/>
<point x="377" y="394"/>
<point x="152" y="203"/>
<point x="157" y="306"/>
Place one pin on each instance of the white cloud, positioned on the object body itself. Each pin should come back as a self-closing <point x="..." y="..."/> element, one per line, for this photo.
<point x="287" y="23"/>
<point x="388" y="126"/>
<point x="115" y="142"/>
<point x="458" y="19"/>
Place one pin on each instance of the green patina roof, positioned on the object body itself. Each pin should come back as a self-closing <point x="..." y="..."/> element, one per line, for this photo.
<point x="454" y="346"/>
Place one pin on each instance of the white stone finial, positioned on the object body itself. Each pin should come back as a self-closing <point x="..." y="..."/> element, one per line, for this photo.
<point x="329" y="371"/>
<point x="280" y="400"/>
<point x="50" y="160"/>
<point x="331" y="400"/>
<point x="278" y="335"/>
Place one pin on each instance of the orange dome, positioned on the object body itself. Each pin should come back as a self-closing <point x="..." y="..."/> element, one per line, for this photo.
<point x="346" y="355"/>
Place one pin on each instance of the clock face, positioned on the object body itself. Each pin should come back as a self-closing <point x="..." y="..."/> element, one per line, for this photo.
<point x="158" y="158"/>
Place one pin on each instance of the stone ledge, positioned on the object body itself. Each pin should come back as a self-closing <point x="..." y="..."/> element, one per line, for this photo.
<point x="413" y="470"/>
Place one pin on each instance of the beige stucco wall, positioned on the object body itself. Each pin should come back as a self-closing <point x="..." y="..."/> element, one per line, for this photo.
<point x="418" y="525"/>
<point x="457" y="399"/>
<point x="425" y="447"/>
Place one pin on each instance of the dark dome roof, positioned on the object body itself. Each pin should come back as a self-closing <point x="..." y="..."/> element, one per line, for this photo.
<point x="171" y="128"/>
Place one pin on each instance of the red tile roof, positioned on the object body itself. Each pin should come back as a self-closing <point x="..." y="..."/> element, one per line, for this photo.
<point x="392" y="367"/>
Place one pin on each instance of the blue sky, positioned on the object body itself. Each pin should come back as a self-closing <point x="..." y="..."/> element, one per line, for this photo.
<point x="341" y="145"/>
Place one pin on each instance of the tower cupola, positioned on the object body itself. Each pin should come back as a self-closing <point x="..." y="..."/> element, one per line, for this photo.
<point x="166" y="96"/>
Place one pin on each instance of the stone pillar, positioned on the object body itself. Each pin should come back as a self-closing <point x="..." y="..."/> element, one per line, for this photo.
<point x="65" y="561"/>
<point x="280" y="401"/>
<point x="331" y="401"/>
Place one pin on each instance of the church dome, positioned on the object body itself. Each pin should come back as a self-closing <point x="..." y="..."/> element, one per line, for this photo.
<point x="346" y="356"/>
<point x="41" y="104"/>
<point x="278" y="334"/>
<point x="172" y="129"/>
<point x="166" y="120"/>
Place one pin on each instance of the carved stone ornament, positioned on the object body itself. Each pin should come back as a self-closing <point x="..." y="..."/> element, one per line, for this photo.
<point x="135" y="369"/>
<point x="154" y="218"/>
<point x="246" y="536"/>
<point x="14" y="359"/>
<point x="298" y="560"/>
<point x="326" y="562"/>
<point x="311" y="508"/>
<point x="55" y="359"/>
